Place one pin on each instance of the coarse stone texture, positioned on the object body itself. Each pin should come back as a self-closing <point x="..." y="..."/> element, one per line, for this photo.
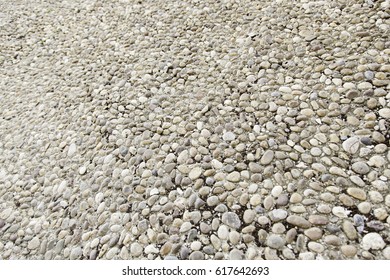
<point x="170" y="130"/>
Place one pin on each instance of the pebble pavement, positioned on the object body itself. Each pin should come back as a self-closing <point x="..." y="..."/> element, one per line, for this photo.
<point x="194" y="129"/>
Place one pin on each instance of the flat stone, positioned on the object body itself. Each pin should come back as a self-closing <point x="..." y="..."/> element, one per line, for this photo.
<point x="183" y="157"/>
<point x="195" y="173"/>
<point x="33" y="243"/>
<point x="340" y="212"/>
<point x="351" y="145"/>
<point x="364" y="207"/>
<point x="315" y="247"/>
<point x="236" y="254"/>
<point x="332" y="240"/>
<point x="6" y="213"/>
<point x="76" y="253"/>
<point x="357" y="193"/>
<point x="231" y="219"/>
<point x="72" y="149"/>
<point x="349" y="230"/>
<point x="298" y="221"/>
<point x="186" y="226"/>
<point x="386" y="253"/>
<point x="136" y="249"/>
<point x="373" y="241"/>
<point x="275" y="241"/>
<point x="361" y="168"/>
<point x="196" y="255"/>
<point x="233" y="177"/>
<point x="249" y="216"/>
<point x="348" y="250"/>
<point x="313" y="233"/>
<point x="384" y="113"/>
<point x="228" y="136"/>
<point x="267" y="157"/>
<point x="82" y="170"/>
<point x="278" y="215"/>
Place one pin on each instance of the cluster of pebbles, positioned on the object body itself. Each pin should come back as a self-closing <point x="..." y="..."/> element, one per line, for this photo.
<point x="194" y="129"/>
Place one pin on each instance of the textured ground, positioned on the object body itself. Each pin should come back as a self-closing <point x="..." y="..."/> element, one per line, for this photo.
<point x="194" y="129"/>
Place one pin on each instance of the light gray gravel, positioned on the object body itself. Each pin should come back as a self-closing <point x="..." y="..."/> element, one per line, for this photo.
<point x="194" y="129"/>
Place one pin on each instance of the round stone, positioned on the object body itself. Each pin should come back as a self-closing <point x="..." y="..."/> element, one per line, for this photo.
<point x="196" y="255"/>
<point x="349" y="230"/>
<point x="386" y="253"/>
<point x="313" y="233"/>
<point x="228" y="136"/>
<point x="364" y="207"/>
<point x="33" y="243"/>
<point x="360" y="167"/>
<point x="351" y="145"/>
<point x="349" y="250"/>
<point x="384" y="113"/>
<point x="82" y="170"/>
<point x="249" y="216"/>
<point x="298" y="221"/>
<point x="136" y="249"/>
<point x="275" y="241"/>
<point x="357" y="193"/>
<point x="236" y="254"/>
<point x="373" y="241"/>
<point x="76" y="253"/>
<point x="195" y="173"/>
<point x="231" y="219"/>
<point x="278" y="215"/>
<point x="267" y="157"/>
<point x="233" y="177"/>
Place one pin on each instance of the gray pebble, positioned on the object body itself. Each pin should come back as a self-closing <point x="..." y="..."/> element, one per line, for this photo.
<point x="231" y="219"/>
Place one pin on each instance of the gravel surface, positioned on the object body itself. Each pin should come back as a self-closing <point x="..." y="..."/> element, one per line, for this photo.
<point x="194" y="129"/>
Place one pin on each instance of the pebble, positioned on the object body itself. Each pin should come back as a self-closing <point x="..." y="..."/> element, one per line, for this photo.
<point x="72" y="149"/>
<point x="360" y="168"/>
<point x="357" y="193"/>
<point x="351" y="145"/>
<point x="76" y="253"/>
<point x="267" y="157"/>
<point x="364" y="207"/>
<point x="349" y="250"/>
<point x="196" y="255"/>
<point x="199" y="141"/>
<point x="373" y="241"/>
<point x="384" y="113"/>
<point x="233" y="177"/>
<point x="236" y="254"/>
<point x="298" y="221"/>
<point x="249" y="216"/>
<point x="275" y="241"/>
<point x="386" y="253"/>
<point x="315" y="247"/>
<point x="231" y="219"/>
<point x="278" y="215"/>
<point x="195" y="173"/>
<point x="313" y="233"/>
<point x="229" y="136"/>
<point x="33" y="243"/>
<point x="349" y="230"/>
<point x="136" y="249"/>
<point x="82" y="170"/>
